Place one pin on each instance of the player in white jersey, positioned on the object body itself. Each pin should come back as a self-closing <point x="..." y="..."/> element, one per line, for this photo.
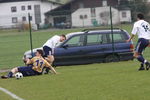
<point x="49" y="46"/>
<point x="142" y="29"/>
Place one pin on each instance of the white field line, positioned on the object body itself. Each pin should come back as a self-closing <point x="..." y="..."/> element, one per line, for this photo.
<point x="10" y="94"/>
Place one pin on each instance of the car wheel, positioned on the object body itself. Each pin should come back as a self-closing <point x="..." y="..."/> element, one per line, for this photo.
<point x="111" y="58"/>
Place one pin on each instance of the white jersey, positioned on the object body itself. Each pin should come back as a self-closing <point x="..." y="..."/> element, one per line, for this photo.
<point x="142" y="28"/>
<point x="52" y="42"/>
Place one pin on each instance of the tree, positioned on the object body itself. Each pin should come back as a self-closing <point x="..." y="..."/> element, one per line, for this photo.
<point x="139" y="6"/>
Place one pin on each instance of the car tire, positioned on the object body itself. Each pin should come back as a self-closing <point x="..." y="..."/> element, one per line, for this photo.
<point x="112" y="58"/>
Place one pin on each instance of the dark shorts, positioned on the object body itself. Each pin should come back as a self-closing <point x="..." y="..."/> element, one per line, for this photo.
<point x="27" y="71"/>
<point x="47" y="51"/>
<point x="141" y="45"/>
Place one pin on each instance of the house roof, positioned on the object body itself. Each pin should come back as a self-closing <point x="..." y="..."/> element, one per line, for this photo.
<point x="61" y="1"/>
<point x="58" y="11"/>
<point x="5" y="1"/>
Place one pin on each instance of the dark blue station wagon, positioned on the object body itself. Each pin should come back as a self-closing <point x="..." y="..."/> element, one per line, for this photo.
<point x="92" y="46"/>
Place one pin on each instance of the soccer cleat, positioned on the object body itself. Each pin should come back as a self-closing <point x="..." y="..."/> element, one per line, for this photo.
<point x="142" y="67"/>
<point x="147" y="65"/>
<point x="4" y="77"/>
<point x="45" y="70"/>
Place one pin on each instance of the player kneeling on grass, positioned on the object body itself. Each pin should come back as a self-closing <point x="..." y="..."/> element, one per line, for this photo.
<point x="36" y="68"/>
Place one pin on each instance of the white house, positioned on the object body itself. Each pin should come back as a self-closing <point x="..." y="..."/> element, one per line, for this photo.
<point x="99" y="16"/>
<point x="80" y="13"/>
<point x="13" y="13"/>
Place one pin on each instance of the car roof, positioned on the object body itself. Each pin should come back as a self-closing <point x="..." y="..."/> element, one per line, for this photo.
<point x="74" y="33"/>
<point x="93" y="32"/>
<point x="103" y="31"/>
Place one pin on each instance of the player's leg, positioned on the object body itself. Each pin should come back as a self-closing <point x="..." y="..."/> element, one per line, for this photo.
<point x="11" y="73"/>
<point x="27" y="71"/>
<point x="141" y="59"/>
<point x="141" y="45"/>
<point x="48" y="57"/>
<point x="48" y="54"/>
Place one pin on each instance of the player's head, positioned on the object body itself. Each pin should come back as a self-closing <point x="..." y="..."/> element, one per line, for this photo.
<point x="39" y="52"/>
<point x="62" y="38"/>
<point x="140" y="16"/>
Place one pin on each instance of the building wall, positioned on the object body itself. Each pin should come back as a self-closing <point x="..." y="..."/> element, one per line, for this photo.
<point x="6" y="14"/>
<point x="77" y="21"/>
<point x="103" y="15"/>
<point x="99" y="16"/>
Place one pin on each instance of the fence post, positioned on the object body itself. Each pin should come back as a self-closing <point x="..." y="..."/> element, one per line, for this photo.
<point x="30" y="31"/>
<point x="112" y="35"/>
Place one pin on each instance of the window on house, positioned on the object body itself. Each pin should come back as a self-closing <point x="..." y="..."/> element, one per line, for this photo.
<point x="14" y="9"/>
<point x="104" y="3"/>
<point x="14" y="19"/>
<point x="23" y="8"/>
<point x="93" y="14"/>
<point x="124" y="14"/>
<point x="29" y="7"/>
<point x="104" y="14"/>
<point x="23" y="18"/>
<point x="83" y="16"/>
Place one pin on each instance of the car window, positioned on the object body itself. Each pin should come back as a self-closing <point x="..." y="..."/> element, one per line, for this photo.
<point x="75" y="41"/>
<point x="118" y="37"/>
<point x="94" y="39"/>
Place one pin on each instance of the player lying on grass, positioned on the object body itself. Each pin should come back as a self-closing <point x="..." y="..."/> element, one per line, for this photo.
<point x="36" y="67"/>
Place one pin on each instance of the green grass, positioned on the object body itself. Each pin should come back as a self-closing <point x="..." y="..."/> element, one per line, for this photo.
<point x="104" y="81"/>
<point x="112" y="81"/>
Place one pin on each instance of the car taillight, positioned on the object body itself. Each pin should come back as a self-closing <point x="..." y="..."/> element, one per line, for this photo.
<point x="131" y="47"/>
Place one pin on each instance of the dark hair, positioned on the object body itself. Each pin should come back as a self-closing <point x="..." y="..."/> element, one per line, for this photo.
<point x="140" y="16"/>
<point x="40" y="52"/>
<point x="63" y="36"/>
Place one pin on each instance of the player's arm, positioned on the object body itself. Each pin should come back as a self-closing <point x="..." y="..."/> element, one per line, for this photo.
<point x="52" y="69"/>
<point x="29" y="61"/>
<point x="132" y="36"/>
<point x="134" y="31"/>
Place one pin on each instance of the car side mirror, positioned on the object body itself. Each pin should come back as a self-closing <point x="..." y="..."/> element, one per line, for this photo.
<point x="65" y="46"/>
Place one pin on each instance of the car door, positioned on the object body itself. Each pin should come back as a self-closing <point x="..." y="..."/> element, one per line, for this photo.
<point x="96" y="47"/>
<point x="121" y="47"/>
<point x="71" y="51"/>
<point x="119" y="42"/>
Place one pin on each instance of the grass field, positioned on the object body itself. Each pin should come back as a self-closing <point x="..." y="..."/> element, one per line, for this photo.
<point x="105" y="81"/>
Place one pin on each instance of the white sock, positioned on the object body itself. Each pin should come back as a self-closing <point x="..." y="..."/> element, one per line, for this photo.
<point x="145" y="61"/>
